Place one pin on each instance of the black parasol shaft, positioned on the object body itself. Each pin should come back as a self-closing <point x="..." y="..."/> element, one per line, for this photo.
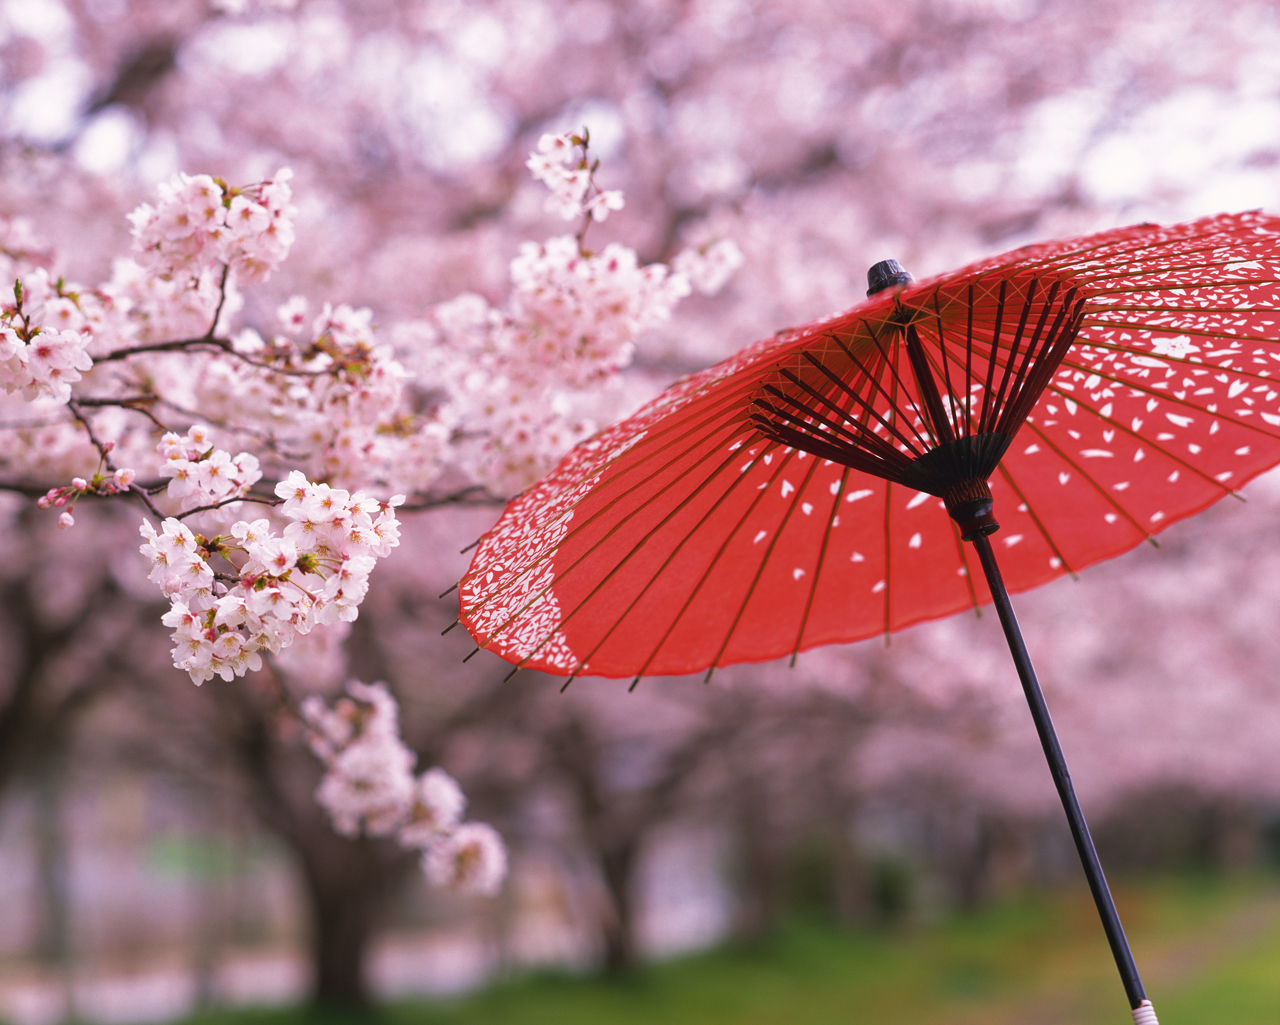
<point x="1061" y="777"/>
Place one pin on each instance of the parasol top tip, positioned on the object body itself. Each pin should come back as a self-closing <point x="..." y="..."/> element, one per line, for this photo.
<point x="886" y="274"/>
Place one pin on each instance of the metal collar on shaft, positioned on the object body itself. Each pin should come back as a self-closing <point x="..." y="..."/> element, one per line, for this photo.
<point x="969" y="503"/>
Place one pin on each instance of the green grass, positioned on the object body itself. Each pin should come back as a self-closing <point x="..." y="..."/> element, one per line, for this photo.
<point x="1208" y="948"/>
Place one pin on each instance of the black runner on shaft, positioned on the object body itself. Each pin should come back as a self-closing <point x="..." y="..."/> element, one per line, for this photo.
<point x="1061" y="776"/>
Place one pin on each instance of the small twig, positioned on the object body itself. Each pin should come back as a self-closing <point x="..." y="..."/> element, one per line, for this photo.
<point x="273" y="500"/>
<point x="584" y="141"/>
<point x="171" y="346"/>
<point x="581" y="236"/>
<point x="475" y="494"/>
<point x="230" y="350"/>
<point x="104" y="453"/>
<point x="218" y="344"/>
<point x="141" y="492"/>
<point x="222" y="299"/>
<point x="132" y="402"/>
<point x="124" y="400"/>
<point x="78" y="413"/>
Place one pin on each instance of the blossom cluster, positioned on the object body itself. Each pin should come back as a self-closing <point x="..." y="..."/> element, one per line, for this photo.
<point x="199" y="220"/>
<point x="275" y="586"/>
<point x="561" y="163"/>
<point x="709" y="267"/>
<point x="329" y="393"/>
<point x="137" y="305"/>
<point x="515" y="378"/>
<point x="100" y="483"/>
<point x="581" y="313"/>
<point x="201" y="475"/>
<point x="369" y="784"/>
<point x="38" y="357"/>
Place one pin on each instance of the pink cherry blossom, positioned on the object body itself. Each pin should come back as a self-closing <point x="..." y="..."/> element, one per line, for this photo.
<point x="471" y="859"/>
<point x="369" y="786"/>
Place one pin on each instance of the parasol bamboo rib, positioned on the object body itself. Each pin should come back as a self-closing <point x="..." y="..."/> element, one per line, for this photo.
<point x="587" y="658"/>
<point x="836" y="494"/>
<point x="1037" y="520"/>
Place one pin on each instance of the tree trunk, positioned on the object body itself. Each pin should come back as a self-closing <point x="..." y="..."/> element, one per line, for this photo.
<point x="54" y="942"/>
<point x="619" y="928"/>
<point x="850" y="884"/>
<point x="348" y="881"/>
<point x="349" y="884"/>
<point x="341" y="927"/>
<point x="761" y="868"/>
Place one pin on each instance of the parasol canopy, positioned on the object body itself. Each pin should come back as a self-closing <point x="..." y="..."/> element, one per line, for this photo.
<point x="797" y="494"/>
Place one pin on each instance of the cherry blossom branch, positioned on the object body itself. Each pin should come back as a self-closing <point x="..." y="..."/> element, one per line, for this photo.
<point x="123" y="400"/>
<point x="177" y="345"/>
<point x="219" y="344"/>
<point x="209" y="338"/>
<point x="564" y="165"/>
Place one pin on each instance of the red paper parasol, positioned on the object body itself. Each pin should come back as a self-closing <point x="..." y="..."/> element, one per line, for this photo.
<point x="816" y="487"/>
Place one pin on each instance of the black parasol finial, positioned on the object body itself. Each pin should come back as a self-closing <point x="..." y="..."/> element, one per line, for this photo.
<point x="886" y="274"/>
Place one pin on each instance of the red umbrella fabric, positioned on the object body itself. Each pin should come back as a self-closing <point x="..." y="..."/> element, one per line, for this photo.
<point x="1106" y="386"/>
